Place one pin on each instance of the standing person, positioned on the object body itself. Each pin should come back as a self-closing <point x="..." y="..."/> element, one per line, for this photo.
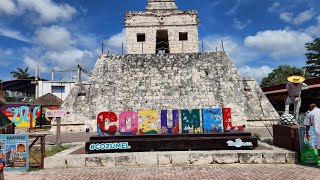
<point x="294" y="87"/>
<point x="313" y="119"/>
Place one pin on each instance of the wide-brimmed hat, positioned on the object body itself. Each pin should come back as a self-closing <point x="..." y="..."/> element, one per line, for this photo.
<point x="296" y="79"/>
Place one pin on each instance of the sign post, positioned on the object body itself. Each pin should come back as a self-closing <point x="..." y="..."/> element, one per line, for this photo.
<point x="58" y="141"/>
<point x="57" y="114"/>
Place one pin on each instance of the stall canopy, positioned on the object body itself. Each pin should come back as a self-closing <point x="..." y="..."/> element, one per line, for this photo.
<point x="47" y="100"/>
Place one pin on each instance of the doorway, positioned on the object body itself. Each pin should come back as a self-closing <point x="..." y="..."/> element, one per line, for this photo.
<point x="162" y="44"/>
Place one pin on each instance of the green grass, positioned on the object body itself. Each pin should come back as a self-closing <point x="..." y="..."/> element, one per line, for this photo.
<point x="56" y="149"/>
<point x="35" y="151"/>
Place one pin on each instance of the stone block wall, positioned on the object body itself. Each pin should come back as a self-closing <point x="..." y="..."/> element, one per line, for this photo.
<point x="170" y="81"/>
<point x="149" y="46"/>
<point x="173" y="21"/>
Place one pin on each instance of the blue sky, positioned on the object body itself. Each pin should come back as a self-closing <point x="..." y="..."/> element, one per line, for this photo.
<point x="258" y="35"/>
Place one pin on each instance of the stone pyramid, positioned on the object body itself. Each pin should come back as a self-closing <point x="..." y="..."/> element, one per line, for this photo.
<point x="166" y="82"/>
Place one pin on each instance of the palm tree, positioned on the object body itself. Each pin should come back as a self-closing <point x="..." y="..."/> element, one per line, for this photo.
<point x="20" y="73"/>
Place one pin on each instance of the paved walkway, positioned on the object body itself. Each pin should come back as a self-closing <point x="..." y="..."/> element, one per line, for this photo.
<point x="229" y="172"/>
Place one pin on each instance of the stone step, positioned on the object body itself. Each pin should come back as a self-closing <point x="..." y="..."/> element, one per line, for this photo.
<point x="270" y="155"/>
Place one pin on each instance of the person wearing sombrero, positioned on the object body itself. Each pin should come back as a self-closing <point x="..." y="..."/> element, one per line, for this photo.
<point x="294" y="87"/>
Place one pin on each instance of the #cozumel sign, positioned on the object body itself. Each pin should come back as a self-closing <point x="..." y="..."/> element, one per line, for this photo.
<point x="143" y="122"/>
<point x="145" y="130"/>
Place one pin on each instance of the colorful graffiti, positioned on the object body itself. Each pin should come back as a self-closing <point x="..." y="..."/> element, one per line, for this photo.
<point x="21" y="114"/>
<point x="130" y="118"/>
<point x="227" y="122"/>
<point x="214" y="120"/>
<point x="101" y="123"/>
<point x="148" y="121"/>
<point x="174" y="129"/>
<point x="190" y="121"/>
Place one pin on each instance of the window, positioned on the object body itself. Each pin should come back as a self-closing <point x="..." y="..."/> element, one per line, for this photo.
<point x="57" y="89"/>
<point x="141" y="37"/>
<point x="183" y="36"/>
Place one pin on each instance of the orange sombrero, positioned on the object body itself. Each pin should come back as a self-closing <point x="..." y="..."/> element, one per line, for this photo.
<point x="296" y="79"/>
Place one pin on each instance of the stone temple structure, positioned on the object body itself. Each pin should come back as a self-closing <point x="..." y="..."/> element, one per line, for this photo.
<point x="165" y="81"/>
<point x="162" y="29"/>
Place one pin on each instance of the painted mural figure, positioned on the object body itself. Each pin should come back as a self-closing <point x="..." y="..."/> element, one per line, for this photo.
<point x="313" y="119"/>
<point x="294" y="87"/>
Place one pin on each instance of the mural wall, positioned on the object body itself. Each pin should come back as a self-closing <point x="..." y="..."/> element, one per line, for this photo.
<point x="24" y="116"/>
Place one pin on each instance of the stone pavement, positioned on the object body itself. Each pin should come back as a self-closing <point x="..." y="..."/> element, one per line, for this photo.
<point x="221" y="172"/>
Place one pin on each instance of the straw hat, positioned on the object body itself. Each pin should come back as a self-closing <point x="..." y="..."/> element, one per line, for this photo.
<point x="296" y="79"/>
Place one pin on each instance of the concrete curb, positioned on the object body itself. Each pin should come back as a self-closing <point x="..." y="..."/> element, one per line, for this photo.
<point x="170" y="158"/>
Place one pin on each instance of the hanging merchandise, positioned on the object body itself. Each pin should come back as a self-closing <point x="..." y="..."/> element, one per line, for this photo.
<point x="309" y="153"/>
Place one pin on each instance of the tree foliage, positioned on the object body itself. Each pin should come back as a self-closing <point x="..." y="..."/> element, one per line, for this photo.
<point x="280" y="75"/>
<point x="313" y="58"/>
<point x="20" y="73"/>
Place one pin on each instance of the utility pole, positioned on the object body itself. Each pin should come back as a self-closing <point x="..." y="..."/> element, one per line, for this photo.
<point x="222" y="46"/>
<point x="36" y="79"/>
<point x="79" y="73"/>
<point x="52" y="75"/>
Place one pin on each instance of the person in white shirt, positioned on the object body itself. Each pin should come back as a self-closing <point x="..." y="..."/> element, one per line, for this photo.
<point x="294" y="87"/>
<point x="313" y="119"/>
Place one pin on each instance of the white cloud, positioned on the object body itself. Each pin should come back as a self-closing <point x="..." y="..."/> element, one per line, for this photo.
<point x="58" y="60"/>
<point x="57" y="48"/>
<point x="274" y="6"/>
<point x="32" y="63"/>
<point x="302" y="17"/>
<point x="114" y="43"/>
<point x="13" y="34"/>
<point x="279" y="43"/>
<point x="7" y="7"/>
<point x="257" y="73"/>
<point x="54" y="38"/>
<point x="234" y="9"/>
<point x="239" y="54"/>
<point x="47" y="10"/>
<point x="286" y="16"/>
<point x="39" y="11"/>
<point x="8" y="58"/>
<point x="89" y="41"/>
<point x="315" y="29"/>
<point x="6" y="52"/>
<point x="240" y="25"/>
<point x="70" y="58"/>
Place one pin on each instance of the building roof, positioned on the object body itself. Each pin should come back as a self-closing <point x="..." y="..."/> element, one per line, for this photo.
<point x="47" y="100"/>
<point x="21" y="85"/>
<point x="281" y="88"/>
